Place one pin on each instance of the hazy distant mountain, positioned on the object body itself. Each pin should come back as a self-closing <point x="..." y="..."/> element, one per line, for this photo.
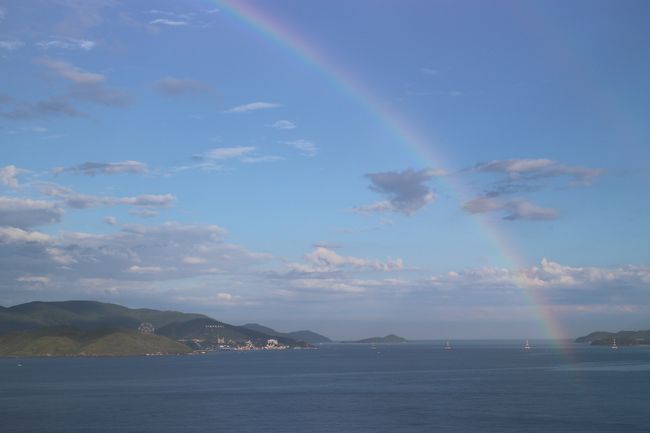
<point x="210" y="329"/>
<point x="391" y="338"/>
<point x="305" y="335"/>
<point x="623" y="338"/>
<point x="65" y="341"/>
<point x="84" y="315"/>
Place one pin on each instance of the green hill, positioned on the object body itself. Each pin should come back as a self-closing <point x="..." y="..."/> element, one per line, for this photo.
<point x="85" y="315"/>
<point x="306" y="336"/>
<point x="80" y="328"/>
<point x="623" y="338"/>
<point x="63" y="341"/>
<point x="210" y="329"/>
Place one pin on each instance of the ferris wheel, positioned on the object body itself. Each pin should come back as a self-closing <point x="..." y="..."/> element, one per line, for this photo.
<point x="146" y="328"/>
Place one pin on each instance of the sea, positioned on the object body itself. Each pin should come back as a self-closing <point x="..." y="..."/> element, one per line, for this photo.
<point x="478" y="386"/>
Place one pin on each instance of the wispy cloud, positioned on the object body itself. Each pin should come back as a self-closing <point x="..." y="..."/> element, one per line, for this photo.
<point x="283" y="124"/>
<point x="253" y="106"/>
<point x="70" y="72"/>
<point x="516" y="209"/>
<point x="432" y="72"/>
<point x="246" y="154"/>
<point x="55" y="106"/>
<point x="304" y="147"/>
<point x="88" y="86"/>
<point x="228" y="152"/>
<point x="534" y="169"/>
<point x="77" y="200"/>
<point x="173" y="87"/>
<point x="11" y="44"/>
<point x="169" y="22"/>
<point x="66" y="43"/>
<point x="94" y="168"/>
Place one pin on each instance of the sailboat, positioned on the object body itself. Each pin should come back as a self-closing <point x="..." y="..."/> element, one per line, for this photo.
<point x="527" y="345"/>
<point x="447" y="346"/>
<point x="614" y="345"/>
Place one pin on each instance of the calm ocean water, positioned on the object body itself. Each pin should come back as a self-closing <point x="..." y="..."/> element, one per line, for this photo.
<point x="416" y="387"/>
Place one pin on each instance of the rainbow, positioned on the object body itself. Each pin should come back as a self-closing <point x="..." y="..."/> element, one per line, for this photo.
<point x="273" y="30"/>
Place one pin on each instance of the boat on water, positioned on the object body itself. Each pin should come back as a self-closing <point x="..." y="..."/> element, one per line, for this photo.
<point x="614" y="345"/>
<point x="527" y="345"/>
<point x="447" y="346"/>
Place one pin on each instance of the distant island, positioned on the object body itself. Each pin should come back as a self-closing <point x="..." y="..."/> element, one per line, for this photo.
<point x="90" y="328"/>
<point x="391" y="338"/>
<point x="623" y="338"/>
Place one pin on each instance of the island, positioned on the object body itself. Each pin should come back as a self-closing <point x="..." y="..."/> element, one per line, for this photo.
<point x="391" y="338"/>
<point x="623" y="338"/>
<point x="90" y="328"/>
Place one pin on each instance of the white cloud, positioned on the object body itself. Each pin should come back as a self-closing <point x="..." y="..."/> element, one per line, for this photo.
<point x="194" y="260"/>
<point x="305" y="147"/>
<point x="429" y="71"/>
<point x="324" y="260"/>
<point x="9" y="176"/>
<point x="224" y="297"/>
<point x="245" y="154"/>
<point x="228" y="152"/>
<point x="325" y="285"/>
<point x="11" y="44"/>
<point x="83" y="201"/>
<point x="143" y="213"/>
<point x="168" y="22"/>
<point x="67" y="44"/>
<point x="26" y="213"/>
<point x="110" y="220"/>
<point x="145" y="269"/>
<point x="16" y="235"/>
<point x="134" y="253"/>
<point x="253" y="106"/>
<point x="258" y="159"/>
<point x="33" y="279"/>
<point x="283" y="124"/>
<point x="548" y="275"/>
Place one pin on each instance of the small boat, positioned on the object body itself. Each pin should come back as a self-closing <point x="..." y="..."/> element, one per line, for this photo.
<point x="614" y="345"/>
<point x="527" y="345"/>
<point x="447" y="346"/>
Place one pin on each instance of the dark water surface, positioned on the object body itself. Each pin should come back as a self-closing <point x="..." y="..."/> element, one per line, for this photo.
<point x="416" y="387"/>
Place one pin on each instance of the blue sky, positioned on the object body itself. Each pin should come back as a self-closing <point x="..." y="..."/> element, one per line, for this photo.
<point x="176" y="155"/>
